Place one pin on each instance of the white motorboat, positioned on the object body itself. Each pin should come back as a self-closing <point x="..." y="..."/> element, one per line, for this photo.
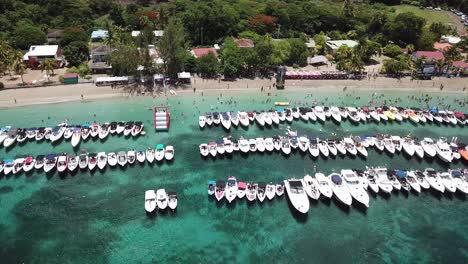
<point x="128" y="128"/>
<point x="418" y="149"/>
<point x="202" y="121"/>
<point x="85" y="131"/>
<point x="354" y="187"/>
<point x="161" y="199"/>
<point x="408" y="146"/>
<point x="212" y="148"/>
<point x="319" y="113"/>
<point x="361" y="149"/>
<point x="209" y="119"/>
<point x="274" y="117"/>
<point x="241" y="189"/>
<point x="297" y="195"/>
<point x="149" y="153"/>
<point x="444" y="152"/>
<point x="277" y="143"/>
<point x="101" y="160"/>
<point x="437" y="117"/>
<point x="372" y="182"/>
<point x="252" y="145"/>
<point x="231" y="189"/>
<point x="68" y="132"/>
<point x="3" y="135"/>
<point x="122" y="158"/>
<point x="267" y="118"/>
<point x="303" y="114"/>
<point x="288" y="115"/>
<point x="259" y="142"/>
<point x="428" y="115"/>
<point x="113" y="128"/>
<point x="434" y="180"/>
<point x="380" y="175"/>
<point x="335" y="113"/>
<point x="243" y="119"/>
<point x="216" y="118"/>
<point x="57" y="133"/>
<point x="362" y="115"/>
<point x="343" y="112"/>
<point x="353" y="114"/>
<point x="397" y="143"/>
<point x="11" y="138"/>
<point x="340" y="189"/>
<point x="391" y="176"/>
<point x="310" y="114"/>
<point x="323" y="147"/>
<point x="332" y="147"/>
<point x="279" y="188"/>
<point x="62" y="162"/>
<point x="389" y="145"/>
<point x="112" y="159"/>
<point x="251" y="192"/>
<point x="379" y="143"/>
<point x="313" y="147"/>
<point x="172" y="200"/>
<point x="341" y="147"/>
<point x="310" y="188"/>
<point x="8" y="166"/>
<point x="22" y="137"/>
<point x="295" y="112"/>
<point x="203" y="150"/>
<point x="460" y="183"/>
<point x="95" y="128"/>
<point x="244" y="145"/>
<point x="323" y="184"/>
<point x="281" y="115"/>
<point x="220" y="190"/>
<point x="429" y="147"/>
<point x="362" y="177"/>
<point x="396" y="114"/>
<point x="30" y="134"/>
<point x="159" y="154"/>
<point x="42" y="132"/>
<point x="40" y="161"/>
<point x="28" y="163"/>
<point x="137" y="128"/>
<point x="350" y="146"/>
<point x="150" y="201"/>
<point x="374" y="114"/>
<point x="413" y="181"/>
<point x="293" y="142"/>
<point x="50" y="162"/>
<point x="285" y="146"/>
<point x="451" y="117"/>
<point x="131" y="156"/>
<point x="211" y="187"/>
<point x="140" y="156"/>
<point x="234" y="118"/>
<point x="303" y="143"/>
<point x="169" y="153"/>
<point x="120" y="127"/>
<point x="92" y="161"/>
<point x="421" y="178"/>
<point x="220" y="147"/>
<point x="104" y="131"/>
<point x="270" y="191"/>
<point x="260" y="119"/>
<point x="269" y="146"/>
<point x="261" y="188"/>
<point x="76" y="137"/>
<point x="72" y="162"/>
<point x="447" y="180"/>
<point x="18" y="165"/>
<point x="226" y="120"/>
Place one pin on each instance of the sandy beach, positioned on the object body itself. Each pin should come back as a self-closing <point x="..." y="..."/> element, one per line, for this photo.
<point x="66" y="93"/>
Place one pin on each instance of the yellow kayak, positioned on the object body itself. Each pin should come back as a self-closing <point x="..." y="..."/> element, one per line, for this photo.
<point x="282" y="103"/>
<point x="390" y="115"/>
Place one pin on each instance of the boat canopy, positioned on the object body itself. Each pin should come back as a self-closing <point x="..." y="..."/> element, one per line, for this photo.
<point x="225" y="115"/>
<point x="138" y="123"/>
<point x="160" y="147"/>
<point x="86" y="125"/>
<point x="172" y="194"/>
<point x="211" y="182"/>
<point x="220" y="141"/>
<point x="295" y="183"/>
<point x="280" y="183"/>
<point x="261" y="185"/>
<point x="76" y="129"/>
<point x="401" y="174"/>
<point x="348" y="141"/>
<point x="39" y="157"/>
<point x="434" y="110"/>
<point x="51" y="156"/>
<point x="8" y="161"/>
<point x="72" y="156"/>
<point x="456" y="173"/>
<point x="12" y="132"/>
<point x="336" y="179"/>
<point x="279" y="110"/>
<point x="28" y="159"/>
<point x="431" y="172"/>
<point x="220" y="184"/>
<point x="231" y="181"/>
<point x="121" y="153"/>
<point x="242" y="185"/>
<point x="56" y="129"/>
<point x="212" y="143"/>
<point x="459" y="115"/>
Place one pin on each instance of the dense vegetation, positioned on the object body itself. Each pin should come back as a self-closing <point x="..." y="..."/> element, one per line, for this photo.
<point x="206" y="22"/>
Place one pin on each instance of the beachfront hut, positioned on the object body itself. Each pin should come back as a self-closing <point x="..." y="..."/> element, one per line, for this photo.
<point x="334" y="45"/>
<point x="157" y="33"/>
<point x="184" y="77"/>
<point x="99" y="57"/>
<point x="70" y="78"/>
<point x="38" y="54"/>
<point x="318" y="60"/>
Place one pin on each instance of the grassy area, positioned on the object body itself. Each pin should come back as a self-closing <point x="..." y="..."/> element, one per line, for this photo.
<point x="431" y="16"/>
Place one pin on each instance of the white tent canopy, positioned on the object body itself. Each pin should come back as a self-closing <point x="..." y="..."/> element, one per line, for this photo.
<point x="184" y="75"/>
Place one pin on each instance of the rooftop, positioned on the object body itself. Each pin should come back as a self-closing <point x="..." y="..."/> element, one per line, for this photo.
<point x="460" y="64"/>
<point x="99" y="34"/>
<point x="200" y="52"/>
<point x="442" y="46"/>
<point x="429" y="55"/>
<point x="41" y="51"/>
<point x="157" y="33"/>
<point x="335" y="44"/>
<point x="244" y="43"/>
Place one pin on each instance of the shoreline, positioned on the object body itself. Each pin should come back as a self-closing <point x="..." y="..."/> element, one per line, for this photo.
<point x="12" y="98"/>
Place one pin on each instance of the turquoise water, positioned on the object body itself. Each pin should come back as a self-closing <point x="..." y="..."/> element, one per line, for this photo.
<point x="99" y="217"/>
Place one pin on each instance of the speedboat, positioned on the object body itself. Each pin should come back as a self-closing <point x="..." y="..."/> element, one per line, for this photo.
<point x="30" y="133"/>
<point x="341" y="147"/>
<point x="389" y="145"/>
<point x="429" y="147"/>
<point x="11" y="138"/>
<point x="216" y="118"/>
<point x="101" y="160"/>
<point x="270" y="191"/>
<point x="219" y="190"/>
<point x="288" y="116"/>
<point x="211" y="187"/>
<point x="260" y="144"/>
<point x="113" y="128"/>
<point x="434" y="179"/>
<point x="3" y="135"/>
<point x="381" y="177"/>
<point x="85" y="131"/>
<point x="150" y="201"/>
<point x="128" y="128"/>
<point x="259" y="117"/>
<point x="391" y="176"/>
<point x="28" y="163"/>
<point x="68" y="132"/>
<point x="131" y="156"/>
<point x="451" y="117"/>
<point x="8" y="166"/>
<point x="372" y="182"/>
<point x="267" y="119"/>
<point x="112" y="159"/>
<point x="18" y="165"/>
<point x="457" y="178"/>
<point x="408" y="146"/>
<point x="202" y="121"/>
<point x="121" y="158"/>
<point x="261" y="188"/>
<point x="212" y="148"/>
<point x="57" y="133"/>
<point x="268" y="142"/>
<point x="413" y="181"/>
<point x="323" y="184"/>
<point x="285" y="146"/>
<point x="95" y="128"/>
<point x="447" y="180"/>
<point x="62" y="162"/>
<point x="161" y="199"/>
<point x="402" y="178"/>
<point x="231" y="189"/>
<point x="40" y="160"/>
<point x="360" y="148"/>
<point x="350" y="147"/>
<point x="397" y="143"/>
<point x="220" y="146"/>
<point x="251" y="192"/>
<point x="209" y="119"/>
<point x="353" y="114"/>
<point x="137" y="128"/>
<point x="323" y="147"/>
<point x="303" y="114"/>
<point x="274" y="117"/>
<point x="313" y="147"/>
<point x="396" y="113"/>
<point x="50" y="162"/>
<point x="295" y="112"/>
<point x="297" y="195"/>
<point x="149" y="153"/>
<point x="241" y="188"/>
<point x="319" y="113"/>
<point x="335" y="113"/>
<point x="244" y="145"/>
<point x="310" y="188"/>
<point x="303" y="143"/>
<point x="252" y="145"/>
<point x="92" y="161"/>
<point x="293" y="142"/>
<point x="120" y="127"/>
<point x="443" y="150"/>
<point x="140" y="156"/>
<point x="310" y="114"/>
<point x="104" y="132"/>
<point x="332" y="147"/>
<point x="340" y="189"/>
<point x="203" y="150"/>
<point x="76" y="137"/>
<point x="159" y="154"/>
<point x="40" y="133"/>
<point x="421" y="178"/>
<point x="379" y="143"/>
<point x="226" y="120"/>
<point x="172" y="200"/>
<point x="418" y="149"/>
<point x="354" y="187"/>
<point x="281" y="114"/>
<point x="343" y="112"/>
<point x="21" y="136"/>
<point x="279" y="188"/>
<point x="374" y="114"/>
<point x="72" y="162"/>
<point x="277" y="143"/>
<point x="243" y="119"/>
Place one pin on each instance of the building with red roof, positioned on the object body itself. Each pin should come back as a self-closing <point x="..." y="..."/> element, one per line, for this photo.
<point x="460" y="64"/>
<point x="244" y="43"/>
<point x="442" y="46"/>
<point x="428" y="55"/>
<point x="200" y="52"/>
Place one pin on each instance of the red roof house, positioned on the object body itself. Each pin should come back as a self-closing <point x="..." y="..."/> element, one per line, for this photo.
<point x="460" y="64"/>
<point x="442" y="46"/>
<point x="428" y="55"/>
<point x="200" y="52"/>
<point x="244" y="43"/>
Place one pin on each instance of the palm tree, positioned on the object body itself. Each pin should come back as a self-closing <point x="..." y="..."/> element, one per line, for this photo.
<point x="410" y="48"/>
<point x="20" y="69"/>
<point x="48" y="66"/>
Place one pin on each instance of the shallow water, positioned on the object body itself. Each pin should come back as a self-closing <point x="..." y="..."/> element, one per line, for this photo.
<point x="99" y="217"/>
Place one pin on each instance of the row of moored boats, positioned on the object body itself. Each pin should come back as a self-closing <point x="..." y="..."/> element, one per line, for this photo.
<point x="160" y="199"/>
<point x="71" y="162"/>
<point x="337" y="114"/>
<point x="75" y="133"/>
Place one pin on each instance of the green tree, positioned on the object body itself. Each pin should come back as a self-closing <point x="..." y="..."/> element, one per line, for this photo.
<point x="20" y="69"/>
<point x="426" y="40"/>
<point x="405" y="28"/>
<point x="439" y="29"/>
<point x="366" y="49"/>
<point x="172" y="48"/>
<point x="76" y="53"/>
<point x="298" y="52"/>
<point x="262" y="61"/>
<point x="281" y="52"/>
<point x="48" y="66"/>
<point x="232" y="59"/>
<point x="125" y="60"/>
<point x="320" y="43"/>
<point x="208" y="66"/>
<point x="452" y="54"/>
<point x="392" y="50"/>
<point x="348" y="8"/>
<point x="26" y="35"/>
<point x="73" y="34"/>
